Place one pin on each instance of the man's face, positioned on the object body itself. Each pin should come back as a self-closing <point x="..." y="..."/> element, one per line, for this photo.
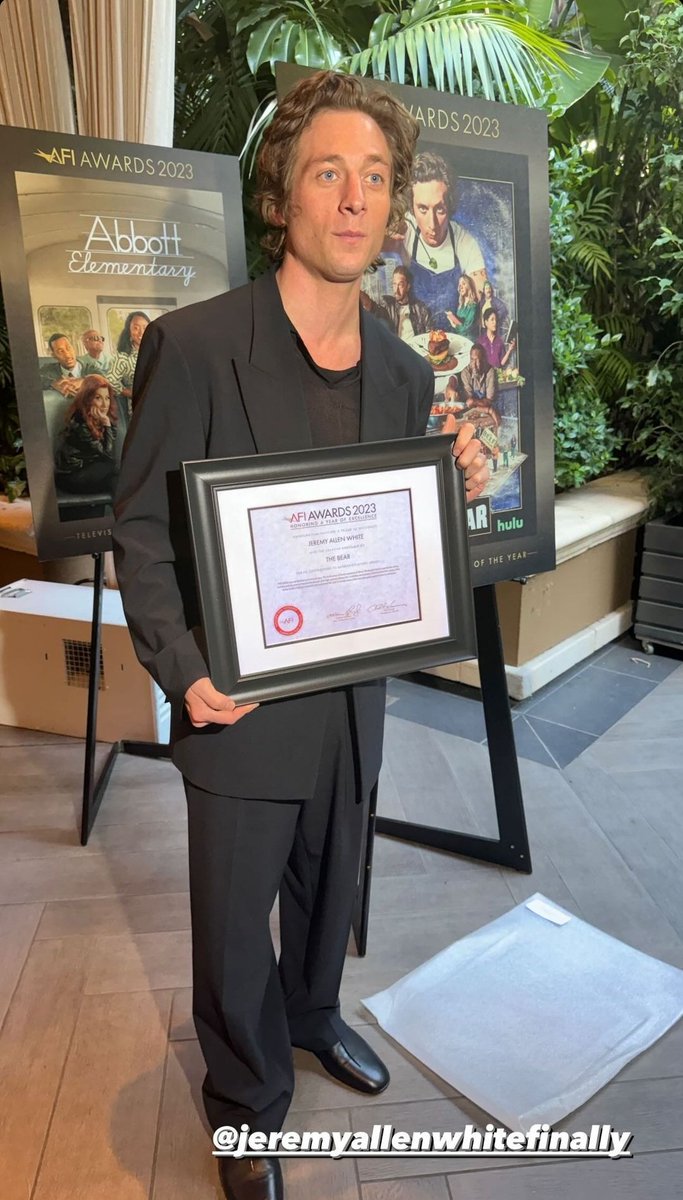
<point x="430" y="211"/>
<point x="64" y="352"/>
<point x="93" y="342"/>
<point x="401" y="287"/>
<point x="340" y="196"/>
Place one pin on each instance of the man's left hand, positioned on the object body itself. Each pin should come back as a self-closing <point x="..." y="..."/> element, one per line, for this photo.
<point x="470" y="458"/>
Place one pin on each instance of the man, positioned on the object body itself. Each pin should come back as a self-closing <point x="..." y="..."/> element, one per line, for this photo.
<point x="403" y="312"/>
<point x="66" y="372"/>
<point x="95" y="361"/>
<point x="273" y="790"/>
<point x="435" y="247"/>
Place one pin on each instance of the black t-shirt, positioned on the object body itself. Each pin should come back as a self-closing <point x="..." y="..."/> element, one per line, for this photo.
<point x="332" y="400"/>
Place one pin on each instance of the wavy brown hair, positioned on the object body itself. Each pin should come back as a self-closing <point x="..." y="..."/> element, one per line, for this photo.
<point x="277" y="158"/>
<point x="83" y="401"/>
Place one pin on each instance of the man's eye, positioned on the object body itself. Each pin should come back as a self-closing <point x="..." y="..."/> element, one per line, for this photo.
<point x="375" y="177"/>
<point x="328" y="174"/>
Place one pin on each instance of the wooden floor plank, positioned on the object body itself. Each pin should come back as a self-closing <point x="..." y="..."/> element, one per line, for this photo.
<point x="102" y="1136"/>
<point x="645" y="1177"/>
<point x="33" y="1048"/>
<point x="18" y="924"/>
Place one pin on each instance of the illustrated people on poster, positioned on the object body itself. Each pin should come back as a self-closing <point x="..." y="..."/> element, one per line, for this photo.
<point x="95" y="360"/>
<point x="123" y="370"/>
<point x="472" y="396"/>
<point x="466" y="316"/>
<point x="402" y="311"/>
<point x="65" y="372"/>
<point x="434" y="245"/>
<point x="488" y="300"/>
<point x="497" y="351"/>
<point x="477" y="383"/>
<point x="86" y="457"/>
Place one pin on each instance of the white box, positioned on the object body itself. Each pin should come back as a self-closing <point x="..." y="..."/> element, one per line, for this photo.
<point x="45" y="655"/>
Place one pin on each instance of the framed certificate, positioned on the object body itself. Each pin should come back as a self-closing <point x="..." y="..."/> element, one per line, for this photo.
<point x="320" y="568"/>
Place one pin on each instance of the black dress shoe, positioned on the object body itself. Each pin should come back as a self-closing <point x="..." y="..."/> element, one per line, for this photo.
<point x="354" y="1063"/>
<point x="251" y="1178"/>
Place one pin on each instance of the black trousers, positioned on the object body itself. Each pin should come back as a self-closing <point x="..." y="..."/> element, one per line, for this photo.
<point x="249" y="1010"/>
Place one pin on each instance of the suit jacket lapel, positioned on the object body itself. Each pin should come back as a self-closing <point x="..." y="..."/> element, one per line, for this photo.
<point x="270" y="382"/>
<point x="383" y="401"/>
<point x="268" y="375"/>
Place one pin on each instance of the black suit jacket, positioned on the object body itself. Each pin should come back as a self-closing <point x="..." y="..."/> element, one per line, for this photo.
<point x="213" y="380"/>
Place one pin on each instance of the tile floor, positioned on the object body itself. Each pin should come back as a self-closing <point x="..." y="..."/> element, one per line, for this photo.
<point x="99" y="1065"/>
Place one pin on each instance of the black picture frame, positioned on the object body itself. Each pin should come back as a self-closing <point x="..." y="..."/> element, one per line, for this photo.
<point x="204" y="481"/>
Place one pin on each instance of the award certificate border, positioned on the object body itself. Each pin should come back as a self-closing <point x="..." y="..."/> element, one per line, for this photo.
<point x="231" y="622"/>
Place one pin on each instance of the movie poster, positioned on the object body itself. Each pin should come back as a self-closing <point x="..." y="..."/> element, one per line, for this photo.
<point x="466" y="283"/>
<point x="99" y="238"/>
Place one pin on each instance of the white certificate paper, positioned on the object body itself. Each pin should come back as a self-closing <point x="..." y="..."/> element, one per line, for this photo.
<point x="335" y="566"/>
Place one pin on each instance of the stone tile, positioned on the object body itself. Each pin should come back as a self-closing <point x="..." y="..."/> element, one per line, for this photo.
<point x="563" y="744"/>
<point x="529" y="744"/>
<point x="110" y="1091"/>
<point x="646" y="851"/>
<point x="592" y="703"/>
<point x="636" y="753"/>
<point x="458" y="789"/>
<point x="628" y="658"/>
<point x="18" y="924"/>
<point x="141" y="962"/>
<point x="437" y="709"/>
<point x="606" y="891"/>
<point x="657" y="795"/>
<point x="115" y="914"/>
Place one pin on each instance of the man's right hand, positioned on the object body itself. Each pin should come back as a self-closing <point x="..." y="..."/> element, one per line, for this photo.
<point x="207" y="706"/>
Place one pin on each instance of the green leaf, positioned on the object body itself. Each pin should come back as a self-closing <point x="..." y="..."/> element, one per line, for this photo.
<point x="256" y="15"/>
<point x="481" y="61"/>
<point x="261" y="40"/>
<point x="284" y="46"/>
<point x="381" y="29"/>
<point x="587" y="70"/>
<point x="540" y="11"/>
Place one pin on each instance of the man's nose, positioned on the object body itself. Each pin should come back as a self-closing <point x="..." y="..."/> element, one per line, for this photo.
<point x="354" y="194"/>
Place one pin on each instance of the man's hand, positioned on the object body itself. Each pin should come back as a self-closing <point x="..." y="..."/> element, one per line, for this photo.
<point x="207" y="706"/>
<point x="470" y="458"/>
<point x="66" y="386"/>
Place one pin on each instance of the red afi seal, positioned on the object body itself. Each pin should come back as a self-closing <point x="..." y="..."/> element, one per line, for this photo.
<point x="288" y="620"/>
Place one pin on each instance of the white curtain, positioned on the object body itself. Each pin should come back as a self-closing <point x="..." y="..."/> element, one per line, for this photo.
<point x="124" y="62"/>
<point x="35" y="88"/>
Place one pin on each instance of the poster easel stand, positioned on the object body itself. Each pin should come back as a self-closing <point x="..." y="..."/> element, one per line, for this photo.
<point x="511" y="848"/>
<point x="94" y="789"/>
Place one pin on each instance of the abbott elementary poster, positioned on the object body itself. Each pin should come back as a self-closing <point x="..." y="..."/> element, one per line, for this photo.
<point x="99" y="238"/>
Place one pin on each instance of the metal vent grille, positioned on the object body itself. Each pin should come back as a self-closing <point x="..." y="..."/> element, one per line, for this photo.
<point x="77" y="663"/>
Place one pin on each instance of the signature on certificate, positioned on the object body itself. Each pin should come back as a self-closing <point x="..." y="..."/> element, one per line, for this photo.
<point x="385" y="606"/>
<point x="351" y="612"/>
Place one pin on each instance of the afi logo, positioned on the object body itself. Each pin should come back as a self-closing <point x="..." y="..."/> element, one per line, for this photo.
<point x="60" y="156"/>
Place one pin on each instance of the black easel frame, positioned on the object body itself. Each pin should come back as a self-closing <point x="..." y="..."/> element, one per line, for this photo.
<point x="511" y="848"/>
<point x="94" y="789"/>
